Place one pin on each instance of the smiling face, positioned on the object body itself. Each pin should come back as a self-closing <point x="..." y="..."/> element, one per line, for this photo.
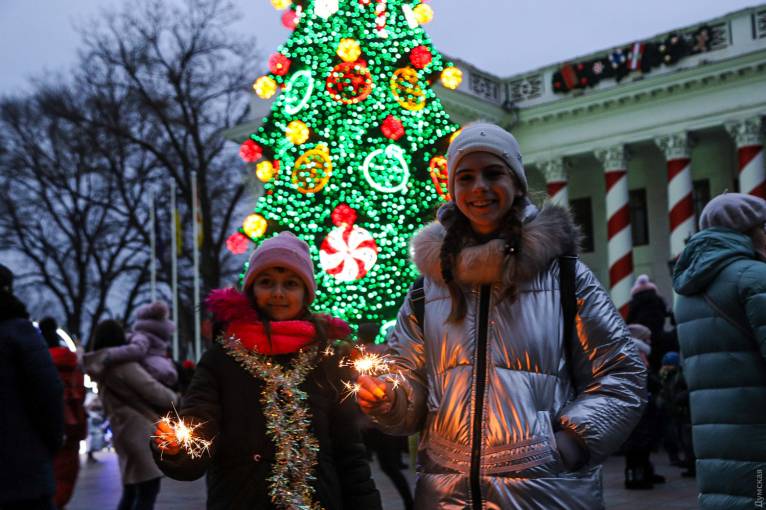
<point x="484" y="190"/>
<point x="280" y="293"/>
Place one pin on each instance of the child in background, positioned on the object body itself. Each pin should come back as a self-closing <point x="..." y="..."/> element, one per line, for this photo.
<point x="147" y="344"/>
<point x="269" y="396"/>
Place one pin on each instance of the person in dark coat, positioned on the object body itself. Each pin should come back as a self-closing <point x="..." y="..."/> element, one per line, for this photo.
<point x="31" y="408"/>
<point x="647" y="308"/>
<point x="66" y="464"/>
<point x="269" y="396"/>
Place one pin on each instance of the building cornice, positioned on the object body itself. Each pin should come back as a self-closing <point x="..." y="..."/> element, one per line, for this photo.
<point x="650" y="88"/>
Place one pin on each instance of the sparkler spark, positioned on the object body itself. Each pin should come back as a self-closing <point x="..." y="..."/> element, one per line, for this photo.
<point x="351" y="389"/>
<point x="368" y="364"/>
<point x="185" y="437"/>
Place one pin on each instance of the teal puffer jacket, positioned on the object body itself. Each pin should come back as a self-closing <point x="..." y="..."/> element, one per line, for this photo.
<point x="725" y="364"/>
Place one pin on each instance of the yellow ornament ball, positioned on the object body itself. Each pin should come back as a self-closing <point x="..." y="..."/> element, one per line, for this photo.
<point x="423" y="13"/>
<point x="297" y="132"/>
<point x="281" y="4"/>
<point x="452" y="77"/>
<point x="349" y="50"/>
<point x="254" y="226"/>
<point x="264" y="171"/>
<point x="265" y="87"/>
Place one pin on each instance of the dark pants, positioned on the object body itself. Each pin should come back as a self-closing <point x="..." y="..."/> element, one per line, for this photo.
<point x="30" y="504"/>
<point x="388" y="449"/>
<point x="139" y="496"/>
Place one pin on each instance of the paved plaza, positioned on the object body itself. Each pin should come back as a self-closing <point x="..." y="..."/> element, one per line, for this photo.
<point x="99" y="489"/>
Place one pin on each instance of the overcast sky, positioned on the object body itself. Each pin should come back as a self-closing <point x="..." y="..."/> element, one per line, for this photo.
<point x="500" y="36"/>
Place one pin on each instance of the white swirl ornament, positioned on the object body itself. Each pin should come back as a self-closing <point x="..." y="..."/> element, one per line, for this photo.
<point x="392" y="152"/>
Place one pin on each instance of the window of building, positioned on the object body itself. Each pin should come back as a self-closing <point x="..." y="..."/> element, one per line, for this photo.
<point x="639" y="217"/>
<point x="700" y="196"/>
<point x="583" y="214"/>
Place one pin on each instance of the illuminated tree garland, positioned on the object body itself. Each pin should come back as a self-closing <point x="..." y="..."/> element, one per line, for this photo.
<point x="358" y="75"/>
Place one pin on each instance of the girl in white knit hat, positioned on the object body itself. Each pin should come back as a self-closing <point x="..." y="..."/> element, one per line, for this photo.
<point x="511" y="414"/>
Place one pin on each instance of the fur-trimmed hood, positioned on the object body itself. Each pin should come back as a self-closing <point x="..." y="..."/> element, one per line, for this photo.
<point x="545" y="236"/>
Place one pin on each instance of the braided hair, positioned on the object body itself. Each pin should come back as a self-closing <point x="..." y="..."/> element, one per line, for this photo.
<point x="459" y="234"/>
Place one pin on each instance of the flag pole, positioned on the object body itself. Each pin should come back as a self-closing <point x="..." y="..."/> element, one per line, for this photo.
<point x="174" y="266"/>
<point x="195" y="251"/>
<point x="153" y="248"/>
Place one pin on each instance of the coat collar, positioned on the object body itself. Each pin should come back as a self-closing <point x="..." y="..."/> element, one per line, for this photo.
<point x="548" y="235"/>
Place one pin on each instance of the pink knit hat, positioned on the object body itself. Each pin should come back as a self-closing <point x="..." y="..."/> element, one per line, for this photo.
<point x="642" y="283"/>
<point x="283" y="250"/>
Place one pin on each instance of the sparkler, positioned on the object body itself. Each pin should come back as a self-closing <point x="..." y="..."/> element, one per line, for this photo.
<point x="368" y="364"/>
<point x="371" y="364"/>
<point x="184" y="436"/>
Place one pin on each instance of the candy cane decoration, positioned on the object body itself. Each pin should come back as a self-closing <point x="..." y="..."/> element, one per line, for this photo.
<point x="680" y="202"/>
<point x="748" y="136"/>
<point x="557" y="181"/>
<point x="381" y="17"/>
<point x="620" y="241"/>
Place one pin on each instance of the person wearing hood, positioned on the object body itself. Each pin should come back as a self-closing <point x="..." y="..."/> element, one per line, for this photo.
<point x="720" y="278"/>
<point x="31" y="408"/>
<point x="147" y="344"/>
<point x="66" y="464"/>
<point x="511" y="414"/>
<point x="133" y="401"/>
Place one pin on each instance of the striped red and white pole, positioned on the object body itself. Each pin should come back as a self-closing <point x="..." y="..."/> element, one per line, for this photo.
<point x="677" y="151"/>
<point x="620" y="239"/>
<point x="556" y="180"/>
<point x="748" y="136"/>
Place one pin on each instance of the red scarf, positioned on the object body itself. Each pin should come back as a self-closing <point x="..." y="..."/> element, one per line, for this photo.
<point x="234" y="309"/>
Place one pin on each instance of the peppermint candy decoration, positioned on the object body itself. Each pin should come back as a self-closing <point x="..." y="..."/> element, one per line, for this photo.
<point x="348" y="252"/>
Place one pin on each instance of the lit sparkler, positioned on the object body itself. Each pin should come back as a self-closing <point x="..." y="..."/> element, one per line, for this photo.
<point x="185" y="437"/>
<point x="368" y="364"/>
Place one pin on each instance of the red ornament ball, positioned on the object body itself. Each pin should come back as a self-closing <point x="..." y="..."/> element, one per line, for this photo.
<point x="343" y="215"/>
<point x="420" y="57"/>
<point x="392" y="128"/>
<point x="237" y="243"/>
<point x="279" y="64"/>
<point x="290" y="19"/>
<point x="250" y="152"/>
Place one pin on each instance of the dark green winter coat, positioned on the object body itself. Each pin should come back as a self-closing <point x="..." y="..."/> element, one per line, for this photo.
<point x="724" y="364"/>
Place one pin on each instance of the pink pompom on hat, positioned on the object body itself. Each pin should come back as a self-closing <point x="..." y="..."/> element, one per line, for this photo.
<point x="287" y="251"/>
<point x="642" y="283"/>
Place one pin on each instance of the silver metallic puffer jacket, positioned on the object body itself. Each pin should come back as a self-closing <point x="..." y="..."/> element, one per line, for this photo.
<point x="528" y="389"/>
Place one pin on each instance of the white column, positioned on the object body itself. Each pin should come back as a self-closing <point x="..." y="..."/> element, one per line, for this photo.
<point x="677" y="149"/>
<point x="748" y="135"/>
<point x="620" y="245"/>
<point x="556" y="180"/>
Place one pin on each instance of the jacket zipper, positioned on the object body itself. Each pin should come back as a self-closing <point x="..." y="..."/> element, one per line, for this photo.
<point x="478" y="410"/>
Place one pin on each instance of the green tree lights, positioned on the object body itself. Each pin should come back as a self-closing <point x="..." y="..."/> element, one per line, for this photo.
<point x="351" y="155"/>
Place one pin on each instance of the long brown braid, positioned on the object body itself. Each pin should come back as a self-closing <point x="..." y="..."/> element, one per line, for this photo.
<point x="459" y="234"/>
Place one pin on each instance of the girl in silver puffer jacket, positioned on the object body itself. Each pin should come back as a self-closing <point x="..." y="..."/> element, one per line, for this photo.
<point x="510" y="415"/>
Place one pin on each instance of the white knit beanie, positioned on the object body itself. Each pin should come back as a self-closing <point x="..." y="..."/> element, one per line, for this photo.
<point x="485" y="137"/>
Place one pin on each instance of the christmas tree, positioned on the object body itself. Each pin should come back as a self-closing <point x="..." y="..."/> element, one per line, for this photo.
<point x="352" y="153"/>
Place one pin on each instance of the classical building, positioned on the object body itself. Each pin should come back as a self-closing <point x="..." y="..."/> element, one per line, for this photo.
<point x="637" y="138"/>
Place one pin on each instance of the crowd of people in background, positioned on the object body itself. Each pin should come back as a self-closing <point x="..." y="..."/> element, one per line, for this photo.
<point x="271" y="383"/>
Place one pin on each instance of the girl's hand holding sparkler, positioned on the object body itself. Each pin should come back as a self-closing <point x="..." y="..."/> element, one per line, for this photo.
<point x="374" y="396"/>
<point x="165" y="438"/>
